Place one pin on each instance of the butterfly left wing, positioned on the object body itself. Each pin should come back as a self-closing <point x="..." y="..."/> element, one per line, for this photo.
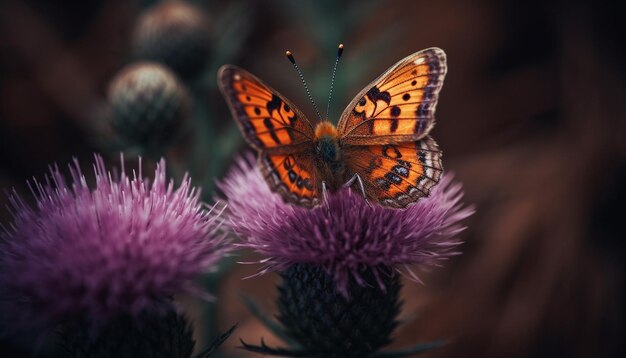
<point x="279" y="132"/>
<point x="398" y="106"/>
<point x="396" y="175"/>
<point x="293" y="176"/>
<point x="268" y="121"/>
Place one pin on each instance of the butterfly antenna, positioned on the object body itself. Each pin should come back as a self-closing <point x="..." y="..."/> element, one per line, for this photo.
<point x="332" y="79"/>
<point x="306" y="88"/>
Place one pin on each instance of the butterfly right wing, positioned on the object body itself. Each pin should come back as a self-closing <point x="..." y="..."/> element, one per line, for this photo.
<point x="385" y="129"/>
<point x="268" y="121"/>
<point x="399" y="106"/>
<point x="396" y="175"/>
<point x="279" y="132"/>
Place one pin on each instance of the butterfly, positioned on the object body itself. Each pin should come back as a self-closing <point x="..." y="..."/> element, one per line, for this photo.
<point x="381" y="140"/>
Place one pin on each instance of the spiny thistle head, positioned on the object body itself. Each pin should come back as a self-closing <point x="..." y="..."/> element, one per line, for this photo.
<point x="327" y="324"/>
<point x="349" y="235"/>
<point x="149" y="106"/>
<point x="176" y="34"/>
<point x="122" y="248"/>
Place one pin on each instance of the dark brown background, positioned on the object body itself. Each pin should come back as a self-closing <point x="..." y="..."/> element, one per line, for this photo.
<point x="531" y="119"/>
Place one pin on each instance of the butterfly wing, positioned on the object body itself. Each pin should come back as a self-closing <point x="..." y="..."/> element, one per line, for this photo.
<point x="293" y="176"/>
<point x="398" y="106"/>
<point x="396" y="175"/>
<point x="279" y="132"/>
<point x="384" y="130"/>
<point x="268" y="121"/>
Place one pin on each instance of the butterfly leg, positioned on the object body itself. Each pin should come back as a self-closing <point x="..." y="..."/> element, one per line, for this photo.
<point x="325" y="194"/>
<point x="357" y="178"/>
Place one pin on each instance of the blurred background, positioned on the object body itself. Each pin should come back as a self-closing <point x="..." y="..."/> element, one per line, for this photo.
<point x="531" y="119"/>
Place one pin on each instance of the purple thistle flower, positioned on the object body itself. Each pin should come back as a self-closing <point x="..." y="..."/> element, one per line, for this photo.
<point x="125" y="247"/>
<point x="347" y="236"/>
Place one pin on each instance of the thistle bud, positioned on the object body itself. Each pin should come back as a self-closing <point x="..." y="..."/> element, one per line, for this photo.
<point x="175" y="34"/>
<point x="149" y="105"/>
<point x="327" y="324"/>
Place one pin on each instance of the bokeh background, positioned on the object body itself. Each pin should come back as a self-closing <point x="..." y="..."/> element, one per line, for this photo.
<point x="531" y="119"/>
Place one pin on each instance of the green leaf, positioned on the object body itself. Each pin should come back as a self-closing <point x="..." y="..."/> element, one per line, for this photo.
<point x="216" y="343"/>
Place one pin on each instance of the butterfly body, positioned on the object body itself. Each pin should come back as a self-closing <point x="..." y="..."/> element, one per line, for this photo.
<point x="382" y="137"/>
<point x="329" y="157"/>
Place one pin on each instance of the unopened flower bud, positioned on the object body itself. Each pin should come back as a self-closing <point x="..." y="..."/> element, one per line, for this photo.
<point x="176" y="34"/>
<point x="149" y="105"/>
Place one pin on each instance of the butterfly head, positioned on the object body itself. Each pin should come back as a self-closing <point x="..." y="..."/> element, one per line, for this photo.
<point x="325" y="129"/>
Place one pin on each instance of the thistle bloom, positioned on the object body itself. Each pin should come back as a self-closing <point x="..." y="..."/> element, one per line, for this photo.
<point x="329" y="256"/>
<point x="348" y="236"/>
<point x="123" y="248"/>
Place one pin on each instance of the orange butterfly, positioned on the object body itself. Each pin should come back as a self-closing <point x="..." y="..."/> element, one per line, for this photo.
<point x="381" y="140"/>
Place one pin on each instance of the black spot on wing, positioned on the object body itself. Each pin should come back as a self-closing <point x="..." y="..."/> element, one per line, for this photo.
<point x="392" y="177"/>
<point x="274" y="104"/>
<point x="394" y="125"/>
<point x="374" y="163"/>
<point x="391" y="151"/>
<point x="289" y="162"/>
<point x="382" y="183"/>
<point x="395" y="111"/>
<point x="374" y="94"/>
<point x="422" y="156"/>
<point x="401" y="170"/>
<point x="270" y="127"/>
<point x="307" y="184"/>
<point x="292" y="176"/>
